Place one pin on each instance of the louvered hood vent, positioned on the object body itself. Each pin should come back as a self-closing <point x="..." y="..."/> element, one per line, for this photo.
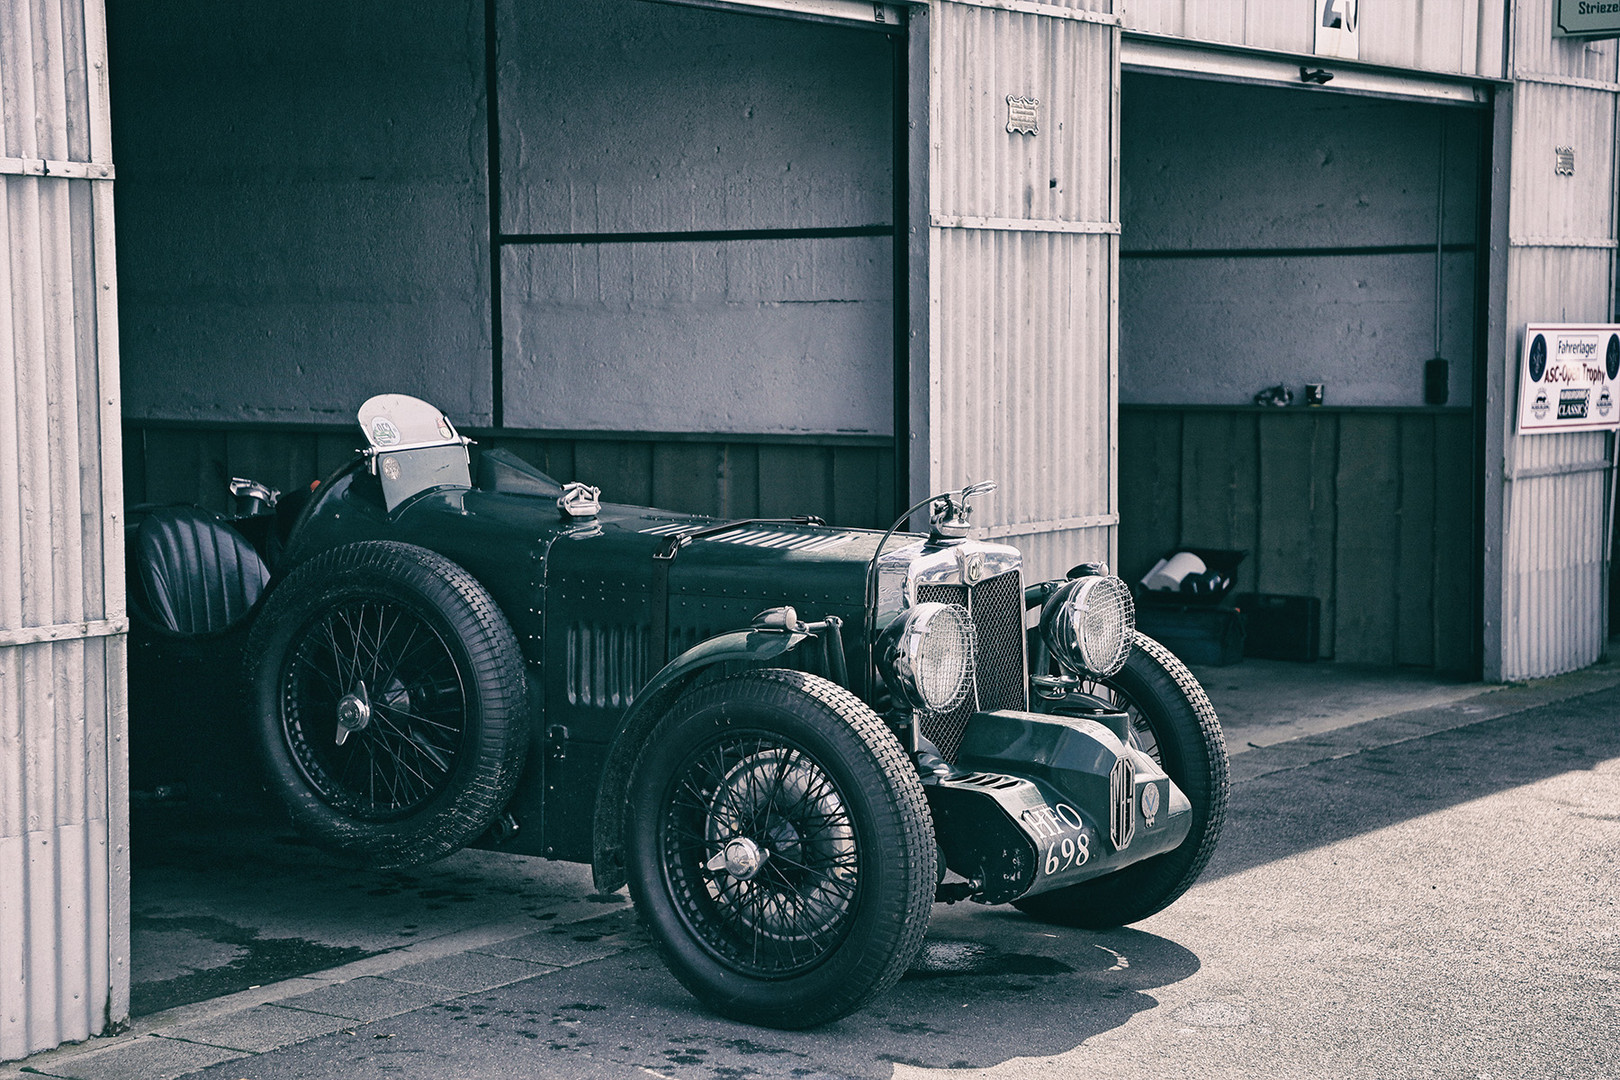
<point x="777" y="539"/>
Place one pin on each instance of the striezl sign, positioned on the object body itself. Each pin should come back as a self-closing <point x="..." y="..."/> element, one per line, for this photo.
<point x="1567" y="375"/>
<point x="1586" y="18"/>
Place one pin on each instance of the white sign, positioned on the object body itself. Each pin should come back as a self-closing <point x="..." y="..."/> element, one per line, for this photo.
<point x="1567" y="375"/>
<point x="1338" y="29"/>
<point x="1586" y="18"/>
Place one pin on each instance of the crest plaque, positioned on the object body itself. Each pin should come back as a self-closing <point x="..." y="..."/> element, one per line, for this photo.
<point x="1023" y="115"/>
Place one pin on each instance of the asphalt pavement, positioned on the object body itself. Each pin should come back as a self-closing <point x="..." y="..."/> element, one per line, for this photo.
<point x="1417" y="879"/>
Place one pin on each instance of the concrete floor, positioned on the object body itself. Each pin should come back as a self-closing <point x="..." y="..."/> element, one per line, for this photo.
<point x="1262" y="702"/>
<point x="231" y="911"/>
<point x="223" y="901"/>
<point x="226" y="898"/>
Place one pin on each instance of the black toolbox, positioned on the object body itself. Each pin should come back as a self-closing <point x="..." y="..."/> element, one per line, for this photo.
<point x="1281" y="627"/>
<point x="1196" y="625"/>
<point x="1197" y="633"/>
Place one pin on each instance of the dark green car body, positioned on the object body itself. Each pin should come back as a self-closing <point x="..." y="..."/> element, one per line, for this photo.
<point x="615" y="616"/>
<point x="579" y="595"/>
<point x="788" y="739"/>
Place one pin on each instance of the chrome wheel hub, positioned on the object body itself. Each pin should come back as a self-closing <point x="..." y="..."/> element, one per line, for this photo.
<point x="741" y="858"/>
<point x="353" y="713"/>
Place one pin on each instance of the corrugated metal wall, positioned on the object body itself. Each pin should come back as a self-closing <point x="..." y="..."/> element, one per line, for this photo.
<point x="1455" y="36"/>
<point x="1022" y="267"/>
<point x="1560" y="268"/>
<point x="64" y="902"/>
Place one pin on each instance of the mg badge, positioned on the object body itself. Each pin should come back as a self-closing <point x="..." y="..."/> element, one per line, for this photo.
<point x="973" y="567"/>
<point x="1150" y="803"/>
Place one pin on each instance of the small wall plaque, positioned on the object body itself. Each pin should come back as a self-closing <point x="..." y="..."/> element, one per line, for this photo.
<point x="1564" y="162"/>
<point x="1023" y="115"/>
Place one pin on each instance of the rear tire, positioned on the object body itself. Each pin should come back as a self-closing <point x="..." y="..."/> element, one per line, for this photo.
<point x="1173" y="722"/>
<point x="390" y="709"/>
<point x="780" y="849"/>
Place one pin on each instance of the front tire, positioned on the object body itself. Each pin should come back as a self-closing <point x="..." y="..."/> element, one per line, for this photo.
<point x="1173" y="722"/>
<point x="780" y="849"/>
<point x="390" y="707"/>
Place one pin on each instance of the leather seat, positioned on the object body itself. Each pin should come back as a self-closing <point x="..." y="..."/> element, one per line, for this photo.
<point x="196" y="574"/>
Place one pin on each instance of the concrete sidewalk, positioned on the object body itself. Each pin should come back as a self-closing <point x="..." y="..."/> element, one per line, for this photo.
<point x="217" y="903"/>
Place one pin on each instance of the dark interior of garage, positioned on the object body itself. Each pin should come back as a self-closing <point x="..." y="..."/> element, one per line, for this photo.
<point x="1276" y="236"/>
<point x="649" y="247"/>
<point x="684" y="295"/>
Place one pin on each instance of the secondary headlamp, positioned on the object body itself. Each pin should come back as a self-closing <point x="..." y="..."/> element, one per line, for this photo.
<point x="1089" y="624"/>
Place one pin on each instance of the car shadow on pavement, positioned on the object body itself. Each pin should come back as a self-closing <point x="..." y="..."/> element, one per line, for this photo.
<point x="989" y="986"/>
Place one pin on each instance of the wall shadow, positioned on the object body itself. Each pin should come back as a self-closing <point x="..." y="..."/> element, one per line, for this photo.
<point x="1298" y="809"/>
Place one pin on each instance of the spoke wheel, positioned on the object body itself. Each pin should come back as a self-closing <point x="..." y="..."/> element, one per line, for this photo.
<point x="1173" y="722"/>
<point x="760" y="855"/>
<point x="780" y="848"/>
<point x="390" y="703"/>
<point x="374" y="709"/>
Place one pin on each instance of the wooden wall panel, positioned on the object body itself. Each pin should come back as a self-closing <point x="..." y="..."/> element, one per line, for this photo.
<point x="1367" y="552"/>
<point x="1150" y="469"/>
<point x="1370" y="511"/>
<point x="1294" y="552"/>
<point x="689" y="475"/>
<point x="847" y="482"/>
<point x="1456" y="579"/>
<point x="1220" y="484"/>
<point x="862" y="486"/>
<point x="1415" y="543"/>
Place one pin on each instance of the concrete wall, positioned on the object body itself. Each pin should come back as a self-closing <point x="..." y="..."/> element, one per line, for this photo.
<point x="1287" y="236"/>
<point x="305" y="216"/>
<point x="662" y="131"/>
<point x="302" y="216"/>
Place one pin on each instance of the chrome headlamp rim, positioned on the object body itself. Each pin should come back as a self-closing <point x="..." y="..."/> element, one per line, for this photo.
<point x="915" y="641"/>
<point x="1089" y="624"/>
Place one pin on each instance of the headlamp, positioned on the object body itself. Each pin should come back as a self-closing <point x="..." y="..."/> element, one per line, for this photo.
<point x="1089" y="624"/>
<point x="927" y="656"/>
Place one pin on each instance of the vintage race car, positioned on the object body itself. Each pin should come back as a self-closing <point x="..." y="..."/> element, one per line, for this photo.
<point x="789" y="739"/>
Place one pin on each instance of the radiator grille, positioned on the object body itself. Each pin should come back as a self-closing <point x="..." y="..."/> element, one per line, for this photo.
<point x="997" y="607"/>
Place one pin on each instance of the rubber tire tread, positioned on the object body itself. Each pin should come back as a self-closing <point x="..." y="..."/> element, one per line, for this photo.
<point x="1193" y="750"/>
<point x="889" y="929"/>
<point x="492" y="666"/>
